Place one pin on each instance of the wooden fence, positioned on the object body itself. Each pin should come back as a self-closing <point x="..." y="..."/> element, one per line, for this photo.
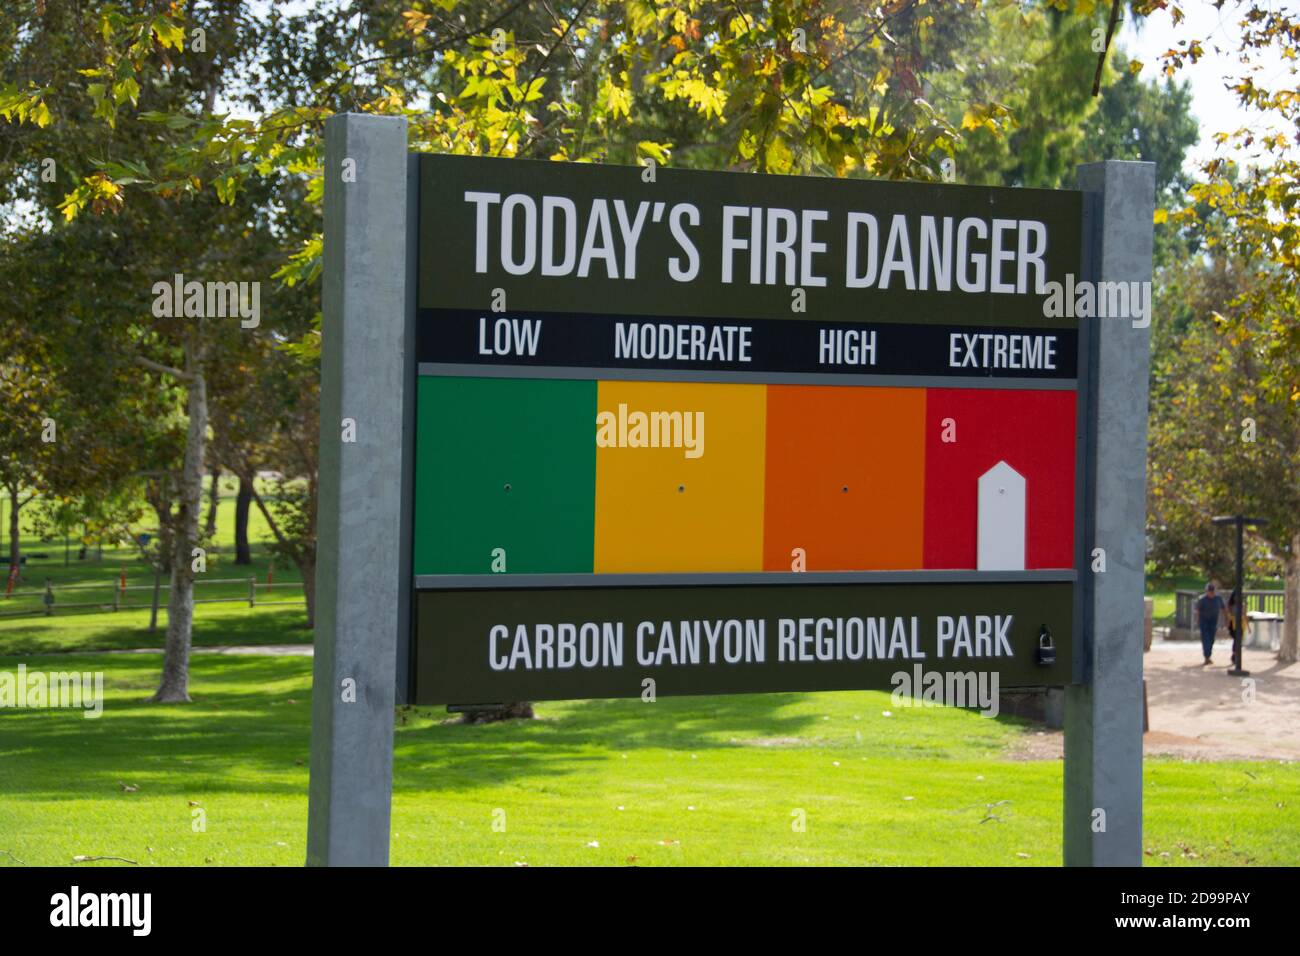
<point x="114" y="596"/>
<point x="1266" y="602"/>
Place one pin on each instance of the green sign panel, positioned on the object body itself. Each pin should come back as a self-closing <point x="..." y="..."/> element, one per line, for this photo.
<point x="699" y="433"/>
<point x="607" y="642"/>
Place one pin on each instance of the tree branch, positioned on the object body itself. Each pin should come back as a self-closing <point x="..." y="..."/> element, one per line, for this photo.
<point x="164" y="369"/>
<point x="522" y="104"/>
<point x="266" y="513"/>
<point x="434" y="47"/>
<point x="1101" y="57"/>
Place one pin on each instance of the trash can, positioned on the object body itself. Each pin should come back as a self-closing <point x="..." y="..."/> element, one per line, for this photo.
<point x="1264" y="631"/>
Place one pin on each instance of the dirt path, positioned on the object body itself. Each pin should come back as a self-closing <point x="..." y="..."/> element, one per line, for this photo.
<point x="1200" y="713"/>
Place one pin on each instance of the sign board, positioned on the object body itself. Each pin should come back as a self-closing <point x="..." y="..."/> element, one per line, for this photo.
<point x="730" y="433"/>
<point x="605" y="432"/>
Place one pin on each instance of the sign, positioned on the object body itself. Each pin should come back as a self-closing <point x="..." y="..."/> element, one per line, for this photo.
<point x="725" y="433"/>
<point x="587" y="431"/>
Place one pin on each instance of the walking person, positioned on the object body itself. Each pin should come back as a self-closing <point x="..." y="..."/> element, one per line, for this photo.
<point x="1207" y="616"/>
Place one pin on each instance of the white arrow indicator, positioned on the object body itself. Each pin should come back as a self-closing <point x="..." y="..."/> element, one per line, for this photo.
<point x="1001" y="537"/>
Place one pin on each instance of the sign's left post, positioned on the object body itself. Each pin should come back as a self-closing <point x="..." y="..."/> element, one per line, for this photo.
<point x="359" y="592"/>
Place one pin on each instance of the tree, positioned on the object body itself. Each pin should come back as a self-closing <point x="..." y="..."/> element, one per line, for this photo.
<point x="26" y="430"/>
<point x="1027" y="64"/>
<point x="1147" y="121"/>
<point x="243" y="499"/>
<point x="272" y="424"/>
<point x="1255" y="194"/>
<point x="214" y="499"/>
<point x="69" y="425"/>
<point x="1244" y="206"/>
<point x="148" y="354"/>
<point x="1221" y="442"/>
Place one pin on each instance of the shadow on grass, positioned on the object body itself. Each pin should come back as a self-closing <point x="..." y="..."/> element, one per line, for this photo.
<point x="248" y="730"/>
<point x="579" y="733"/>
<point x="242" y="732"/>
<point x="451" y="755"/>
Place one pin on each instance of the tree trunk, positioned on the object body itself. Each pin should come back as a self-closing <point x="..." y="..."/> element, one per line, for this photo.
<point x="180" y="602"/>
<point x="1291" y="599"/>
<point x="153" y="609"/>
<point x="15" y="550"/>
<point x="163" y="509"/>
<point x="243" y="555"/>
<point x="165" y="547"/>
<point x="214" y="495"/>
<point x="308" y="571"/>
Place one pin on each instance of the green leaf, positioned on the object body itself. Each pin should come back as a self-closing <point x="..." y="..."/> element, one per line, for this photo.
<point x="659" y="152"/>
<point x="127" y="89"/>
<point x="170" y="120"/>
<point x="169" y="33"/>
<point x="779" y="157"/>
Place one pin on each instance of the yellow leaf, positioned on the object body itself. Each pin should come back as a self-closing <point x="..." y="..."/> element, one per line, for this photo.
<point x="416" y="22"/>
<point x="779" y="157"/>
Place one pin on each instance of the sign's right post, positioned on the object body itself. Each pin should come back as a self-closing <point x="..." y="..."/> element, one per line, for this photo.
<point x="1103" y="714"/>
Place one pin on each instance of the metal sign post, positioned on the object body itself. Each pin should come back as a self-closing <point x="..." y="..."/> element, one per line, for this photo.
<point x="1103" y="711"/>
<point x="360" y="582"/>
<point x="1240" y="522"/>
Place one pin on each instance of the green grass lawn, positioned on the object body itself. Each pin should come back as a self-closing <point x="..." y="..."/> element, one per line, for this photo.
<point x="689" y="781"/>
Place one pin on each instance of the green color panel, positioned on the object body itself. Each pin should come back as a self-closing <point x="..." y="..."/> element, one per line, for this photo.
<point x="504" y="463"/>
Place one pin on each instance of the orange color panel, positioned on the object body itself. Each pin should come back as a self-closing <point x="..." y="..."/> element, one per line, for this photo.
<point x="845" y="478"/>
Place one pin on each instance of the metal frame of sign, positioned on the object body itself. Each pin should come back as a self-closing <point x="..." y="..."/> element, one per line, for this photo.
<point x="468" y="205"/>
<point x="370" y="649"/>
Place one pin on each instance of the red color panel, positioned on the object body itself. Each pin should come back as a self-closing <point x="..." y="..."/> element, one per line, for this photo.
<point x="1033" y="432"/>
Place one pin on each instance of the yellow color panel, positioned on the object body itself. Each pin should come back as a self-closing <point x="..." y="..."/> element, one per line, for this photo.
<point x="687" y="505"/>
